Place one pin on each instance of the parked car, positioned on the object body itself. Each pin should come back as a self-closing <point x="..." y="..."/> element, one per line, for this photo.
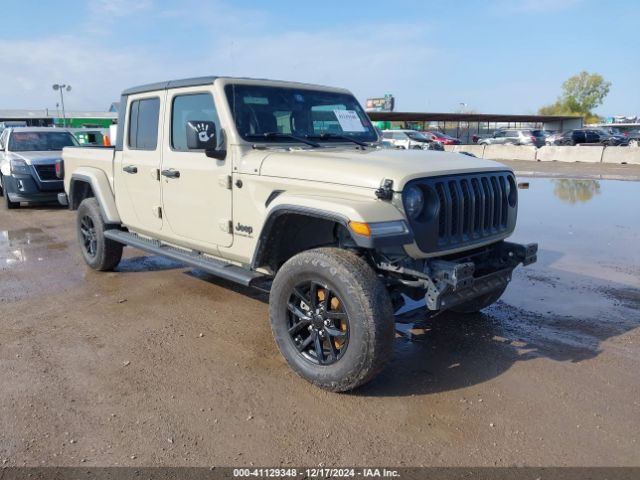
<point x="578" y="137"/>
<point x="515" y="136"/>
<point x="442" y="138"/>
<point x="386" y="144"/>
<point x="588" y="136"/>
<point x="28" y="157"/>
<point x="341" y="237"/>
<point x="9" y="124"/>
<point x="552" y="137"/>
<point x="411" y="140"/>
<point x="609" y="138"/>
<point x="633" y="138"/>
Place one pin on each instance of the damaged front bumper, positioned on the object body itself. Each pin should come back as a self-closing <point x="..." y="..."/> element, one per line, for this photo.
<point x="454" y="283"/>
<point x="448" y="282"/>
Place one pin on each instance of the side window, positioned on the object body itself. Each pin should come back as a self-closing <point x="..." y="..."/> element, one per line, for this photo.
<point x="387" y="135"/>
<point x="143" y="124"/>
<point x="196" y="108"/>
<point x="3" y="139"/>
<point x="499" y="134"/>
<point x="399" y="136"/>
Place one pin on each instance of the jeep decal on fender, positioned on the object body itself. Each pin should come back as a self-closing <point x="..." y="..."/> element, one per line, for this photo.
<point x="244" y="230"/>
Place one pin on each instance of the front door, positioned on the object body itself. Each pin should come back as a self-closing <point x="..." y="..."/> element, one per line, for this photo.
<point x="196" y="189"/>
<point x="137" y="167"/>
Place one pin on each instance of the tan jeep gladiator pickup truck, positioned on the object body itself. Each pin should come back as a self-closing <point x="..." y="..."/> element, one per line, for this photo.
<point x="281" y="184"/>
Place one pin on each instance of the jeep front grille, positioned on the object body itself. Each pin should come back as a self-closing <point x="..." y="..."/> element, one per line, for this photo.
<point x="463" y="210"/>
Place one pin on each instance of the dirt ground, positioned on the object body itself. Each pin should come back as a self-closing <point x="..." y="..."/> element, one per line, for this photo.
<point x="160" y="365"/>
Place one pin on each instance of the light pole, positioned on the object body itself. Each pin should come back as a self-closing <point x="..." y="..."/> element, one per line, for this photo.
<point x="462" y="107"/>
<point x="61" y="87"/>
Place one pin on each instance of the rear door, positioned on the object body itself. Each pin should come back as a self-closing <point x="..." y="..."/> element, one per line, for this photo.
<point x="196" y="189"/>
<point x="593" y="137"/>
<point x="499" y="137"/>
<point x="136" y="169"/>
<point x="511" y="137"/>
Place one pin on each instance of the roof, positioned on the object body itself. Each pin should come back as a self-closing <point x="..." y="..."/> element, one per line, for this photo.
<point x="197" y="81"/>
<point x="185" y="82"/>
<point x="463" y="117"/>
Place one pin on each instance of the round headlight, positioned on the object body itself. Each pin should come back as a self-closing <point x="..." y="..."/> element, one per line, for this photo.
<point x="413" y="201"/>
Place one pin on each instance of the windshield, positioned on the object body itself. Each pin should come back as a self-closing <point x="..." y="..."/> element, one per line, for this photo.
<point x="40" y="141"/>
<point x="285" y="112"/>
<point x="418" y="137"/>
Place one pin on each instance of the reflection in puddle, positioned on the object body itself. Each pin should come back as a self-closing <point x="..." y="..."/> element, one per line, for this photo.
<point x="575" y="190"/>
<point x="26" y="244"/>
<point x="584" y="289"/>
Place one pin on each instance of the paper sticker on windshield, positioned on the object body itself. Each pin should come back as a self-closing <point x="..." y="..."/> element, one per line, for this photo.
<point x="256" y="100"/>
<point x="349" y="121"/>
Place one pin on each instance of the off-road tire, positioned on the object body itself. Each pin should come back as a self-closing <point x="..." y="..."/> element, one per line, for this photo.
<point x="106" y="253"/>
<point x="366" y="303"/>
<point x="477" y="304"/>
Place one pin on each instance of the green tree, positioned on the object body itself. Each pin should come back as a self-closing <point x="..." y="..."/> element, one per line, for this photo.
<point x="581" y="94"/>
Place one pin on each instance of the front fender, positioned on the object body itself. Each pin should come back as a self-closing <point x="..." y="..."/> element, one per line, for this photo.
<point x="342" y="210"/>
<point x="101" y="188"/>
<point x="350" y="208"/>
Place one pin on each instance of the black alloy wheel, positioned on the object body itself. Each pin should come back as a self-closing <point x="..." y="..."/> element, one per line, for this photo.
<point x="88" y="233"/>
<point x="318" y="324"/>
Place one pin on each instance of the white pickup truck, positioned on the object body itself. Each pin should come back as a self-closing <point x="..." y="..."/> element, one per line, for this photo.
<point x="280" y="183"/>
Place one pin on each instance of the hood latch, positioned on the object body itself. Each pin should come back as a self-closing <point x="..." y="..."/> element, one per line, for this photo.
<point x="385" y="192"/>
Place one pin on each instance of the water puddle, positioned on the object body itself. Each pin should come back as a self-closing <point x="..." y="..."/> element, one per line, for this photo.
<point x="583" y="291"/>
<point x="26" y="244"/>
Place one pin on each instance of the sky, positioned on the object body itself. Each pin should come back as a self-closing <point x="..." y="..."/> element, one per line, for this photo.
<point x="493" y="56"/>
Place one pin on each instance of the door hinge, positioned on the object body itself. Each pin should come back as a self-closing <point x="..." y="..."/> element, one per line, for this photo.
<point x="157" y="174"/>
<point x="157" y="211"/>
<point x="225" y="181"/>
<point x="226" y="225"/>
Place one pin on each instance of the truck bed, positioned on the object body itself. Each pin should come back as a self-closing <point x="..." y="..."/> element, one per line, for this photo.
<point x="99" y="157"/>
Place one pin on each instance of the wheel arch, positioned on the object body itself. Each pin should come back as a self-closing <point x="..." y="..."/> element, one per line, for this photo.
<point x="290" y="220"/>
<point x="315" y="221"/>
<point x="91" y="182"/>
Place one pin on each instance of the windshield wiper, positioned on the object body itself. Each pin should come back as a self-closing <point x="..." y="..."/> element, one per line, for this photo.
<point x="287" y="135"/>
<point x="324" y="136"/>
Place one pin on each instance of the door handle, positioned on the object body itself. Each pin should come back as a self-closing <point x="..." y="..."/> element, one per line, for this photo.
<point x="171" y="173"/>
<point x="130" y="169"/>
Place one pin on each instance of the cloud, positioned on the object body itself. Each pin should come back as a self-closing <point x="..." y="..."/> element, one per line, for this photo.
<point x="97" y="75"/>
<point x="340" y="57"/>
<point x="372" y="59"/>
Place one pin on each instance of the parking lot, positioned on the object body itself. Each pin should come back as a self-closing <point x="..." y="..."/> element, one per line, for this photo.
<point x="156" y="364"/>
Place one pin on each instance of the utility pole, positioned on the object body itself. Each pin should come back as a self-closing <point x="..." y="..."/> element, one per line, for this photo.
<point x="61" y="87"/>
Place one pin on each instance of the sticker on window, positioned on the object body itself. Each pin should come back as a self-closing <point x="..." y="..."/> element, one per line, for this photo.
<point x="256" y="100"/>
<point x="349" y="120"/>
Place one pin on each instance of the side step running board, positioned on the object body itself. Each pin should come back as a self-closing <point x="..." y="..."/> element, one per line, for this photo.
<point x="218" y="268"/>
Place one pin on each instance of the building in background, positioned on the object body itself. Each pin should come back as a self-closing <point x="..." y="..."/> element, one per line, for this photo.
<point x="53" y="118"/>
<point x="468" y="127"/>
